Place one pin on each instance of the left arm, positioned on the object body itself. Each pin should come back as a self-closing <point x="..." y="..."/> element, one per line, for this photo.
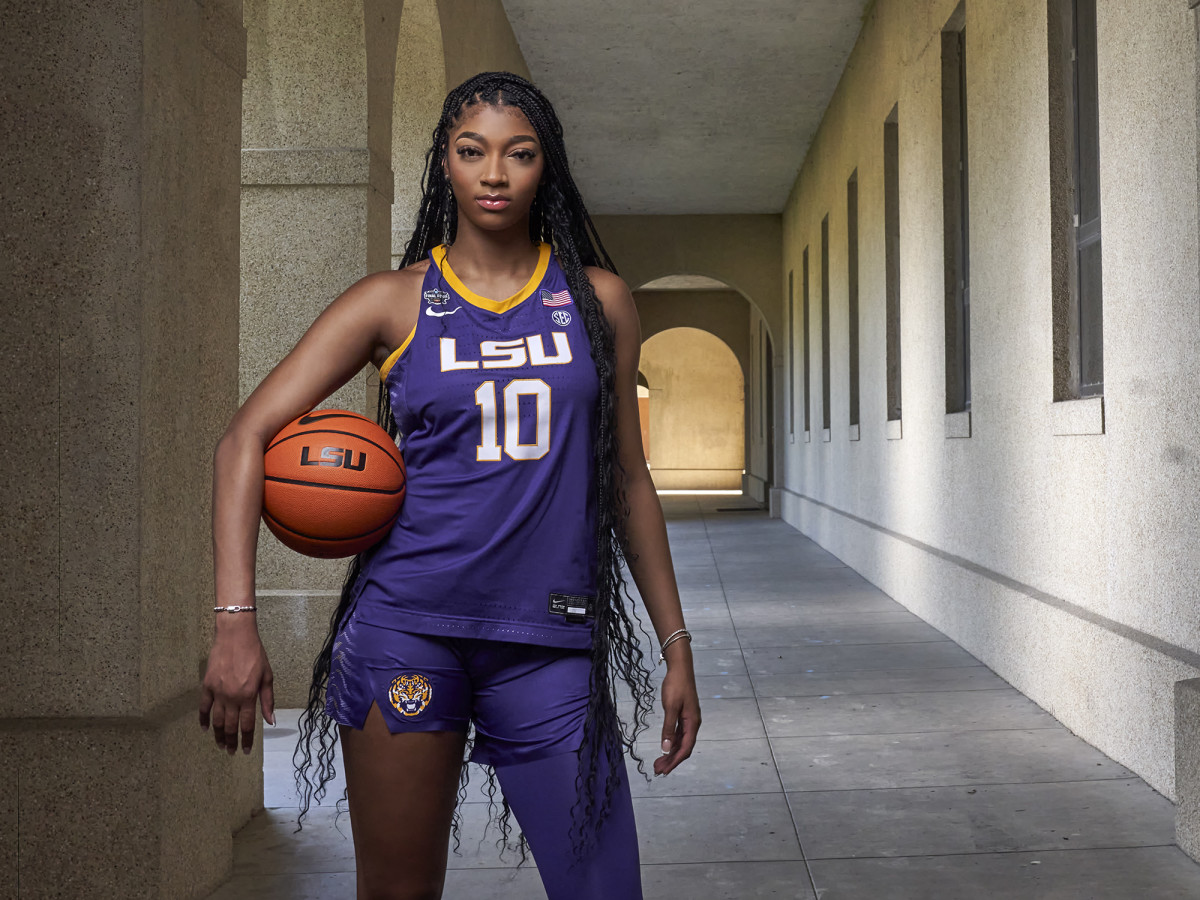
<point x="649" y="554"/>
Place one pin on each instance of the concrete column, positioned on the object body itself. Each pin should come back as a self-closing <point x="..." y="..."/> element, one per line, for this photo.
<point x="119" y="342"/>
<point x="1187" y="766"/>
<point x="316" y="217"/>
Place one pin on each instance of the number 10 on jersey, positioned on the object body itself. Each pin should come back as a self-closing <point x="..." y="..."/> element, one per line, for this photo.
<point x="489" y="448"/>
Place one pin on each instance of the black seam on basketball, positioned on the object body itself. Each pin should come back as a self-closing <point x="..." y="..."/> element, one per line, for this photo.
<point x="335" y="487"/>
<point x="352" y="434"/>
<point x="308" y="418"/>
<point x="339" y="540"/>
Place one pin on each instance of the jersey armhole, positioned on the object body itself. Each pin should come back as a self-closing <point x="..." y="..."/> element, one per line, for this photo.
<point x="396" y="354"/>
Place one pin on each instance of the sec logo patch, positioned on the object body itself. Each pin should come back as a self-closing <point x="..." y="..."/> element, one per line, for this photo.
<point x="410" y="693"/>
<point x="561" y="317"/>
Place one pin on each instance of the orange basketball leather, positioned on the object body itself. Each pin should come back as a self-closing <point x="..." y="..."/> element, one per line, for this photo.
<point x="334" y="483"/>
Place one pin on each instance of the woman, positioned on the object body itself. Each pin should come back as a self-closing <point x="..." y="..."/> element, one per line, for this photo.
<point x="497" y="601"/>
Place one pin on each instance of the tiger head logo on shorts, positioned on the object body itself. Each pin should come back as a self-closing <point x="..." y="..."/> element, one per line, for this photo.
<point x="410" y="693"/>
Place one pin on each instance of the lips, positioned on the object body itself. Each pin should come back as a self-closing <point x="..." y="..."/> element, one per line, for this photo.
<point x="493" y="203"/>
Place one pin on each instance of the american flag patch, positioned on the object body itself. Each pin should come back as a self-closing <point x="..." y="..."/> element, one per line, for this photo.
<point x="558" y="298"/>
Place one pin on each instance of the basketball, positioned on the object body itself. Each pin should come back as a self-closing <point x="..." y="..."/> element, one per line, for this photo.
<point x="334" y="484"/>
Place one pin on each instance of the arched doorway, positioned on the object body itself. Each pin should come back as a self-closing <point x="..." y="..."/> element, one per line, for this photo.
<point x="696" y="411"/>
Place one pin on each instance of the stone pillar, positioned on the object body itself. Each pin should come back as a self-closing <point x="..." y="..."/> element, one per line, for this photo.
<point x="1187" y="766"/>
<point x="316" y="217"/>
<point x="119" y="178"/>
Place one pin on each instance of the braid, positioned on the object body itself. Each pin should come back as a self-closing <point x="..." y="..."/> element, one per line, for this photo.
<point x="558" y="216"/>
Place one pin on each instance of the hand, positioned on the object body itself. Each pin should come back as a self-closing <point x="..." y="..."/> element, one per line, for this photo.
<point x="681" y="707"/>
<point x="237" y="673"/>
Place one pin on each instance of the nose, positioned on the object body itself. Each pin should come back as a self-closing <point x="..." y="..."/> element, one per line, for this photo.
<point x="493" y="172"/>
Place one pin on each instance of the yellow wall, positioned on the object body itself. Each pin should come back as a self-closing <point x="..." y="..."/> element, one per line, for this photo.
<point x="696" y="428"/>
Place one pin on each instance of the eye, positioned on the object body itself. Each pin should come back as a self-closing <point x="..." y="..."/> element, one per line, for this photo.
<point x="467" y="150"/>
<point x="524" y="155"/>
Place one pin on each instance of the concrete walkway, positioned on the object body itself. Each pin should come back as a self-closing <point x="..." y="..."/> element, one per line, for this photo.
<point x="849" y="752"/>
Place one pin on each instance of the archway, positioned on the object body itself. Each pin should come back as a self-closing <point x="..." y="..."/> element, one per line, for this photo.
<point x="696" y="414"/>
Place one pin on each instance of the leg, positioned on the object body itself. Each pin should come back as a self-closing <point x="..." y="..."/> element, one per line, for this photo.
<point x="402" y="791"/>
<point x="542" y="794"/>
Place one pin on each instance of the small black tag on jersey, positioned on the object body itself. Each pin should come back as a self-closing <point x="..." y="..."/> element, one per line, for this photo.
<point x="573" y="607"/>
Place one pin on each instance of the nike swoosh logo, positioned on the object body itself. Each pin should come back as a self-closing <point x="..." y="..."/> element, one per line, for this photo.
<point x="429" y="311"/>
<point x="308" y="420"/>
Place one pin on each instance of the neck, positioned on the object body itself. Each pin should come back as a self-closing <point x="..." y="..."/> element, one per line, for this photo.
<point x="509" y="251"/>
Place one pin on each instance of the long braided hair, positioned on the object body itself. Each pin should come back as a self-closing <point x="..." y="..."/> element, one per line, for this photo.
<point x="559" y="217"/>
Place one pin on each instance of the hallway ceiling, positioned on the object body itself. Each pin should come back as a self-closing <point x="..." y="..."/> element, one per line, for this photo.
<point x="687" y="106"/>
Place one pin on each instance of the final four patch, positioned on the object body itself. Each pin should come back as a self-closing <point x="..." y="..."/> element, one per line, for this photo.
<point x="437" y="297"/>
<point x="410" y="693"/>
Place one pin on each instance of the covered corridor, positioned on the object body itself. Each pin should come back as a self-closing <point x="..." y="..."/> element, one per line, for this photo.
<point x="919" y="278"/>
<point x="847" y="748"/>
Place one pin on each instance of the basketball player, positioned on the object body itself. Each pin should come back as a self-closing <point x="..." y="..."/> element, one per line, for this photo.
<point x="507" y="349"/>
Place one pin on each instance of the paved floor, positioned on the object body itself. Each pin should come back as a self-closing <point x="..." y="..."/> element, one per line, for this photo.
<point x="849" y="752"/>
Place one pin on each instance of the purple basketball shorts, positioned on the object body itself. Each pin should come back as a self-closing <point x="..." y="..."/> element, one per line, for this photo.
<point x="527" y="702"/>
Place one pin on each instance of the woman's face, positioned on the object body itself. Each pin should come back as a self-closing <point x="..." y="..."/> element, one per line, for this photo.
<point x="495" y="163"/>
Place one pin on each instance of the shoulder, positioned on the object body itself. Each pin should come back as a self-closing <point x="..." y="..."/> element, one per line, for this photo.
<point x="383" y="293"/>
<point x="392" y="283"/>
<point x="614" y="295"/>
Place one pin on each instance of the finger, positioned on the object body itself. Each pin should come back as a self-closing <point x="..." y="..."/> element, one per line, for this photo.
<point x="246" y="721"/>
<point x="206" y="702"/>
<point x="667" y="743"/>
<point x="674" y="758"/>
<point x="687" y="740"/>
<point x="268" y="702"/>
<point x="218" y="723"/>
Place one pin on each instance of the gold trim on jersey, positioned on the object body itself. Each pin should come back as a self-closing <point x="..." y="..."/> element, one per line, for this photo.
<point x="395" y="355"/>
<point x="496" y="306"/>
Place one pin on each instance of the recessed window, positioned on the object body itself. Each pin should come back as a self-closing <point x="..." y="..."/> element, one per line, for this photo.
<point x="825" y="417"/>
<point x="852" y="281"/>
<point x="891" y="253"/>
<point x="956" y="218"/>
<point x="791" y="392"/>
<point x="1075" y="201"/>
<point x="807" y="356"/>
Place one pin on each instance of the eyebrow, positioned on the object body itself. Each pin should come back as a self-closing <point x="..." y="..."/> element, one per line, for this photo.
<point x="512" y="140"/>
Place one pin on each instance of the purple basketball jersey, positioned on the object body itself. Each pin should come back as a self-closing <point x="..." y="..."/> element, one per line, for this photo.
<point x="496" y="402"/>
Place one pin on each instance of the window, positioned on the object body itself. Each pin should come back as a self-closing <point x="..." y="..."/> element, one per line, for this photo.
<point x="807" y="357"/>
<point x="791" y="391"/>
<point x="825" y="417"/>
<point x="852" y="281"/>
<point x="1075" y="201"/>
<point x="891" y="253"/>
<point x="955" y="181"/>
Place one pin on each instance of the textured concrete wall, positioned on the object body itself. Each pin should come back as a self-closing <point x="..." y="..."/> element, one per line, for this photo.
<point x="120" y="348"/>
<point x="419" y="94"/>
<point x="1056" y="541"/>
<point x="696" y="420"/>
<point x="477" y="37"/>
<point x="316" y="217"/>
<point x="1187" y="766"/>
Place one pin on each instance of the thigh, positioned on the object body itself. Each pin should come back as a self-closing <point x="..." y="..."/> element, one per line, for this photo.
<point x="542" y="793"/>
<point x="402" y="701"/>
<point x="402" y="791"/>
<point x="528" y="702"/>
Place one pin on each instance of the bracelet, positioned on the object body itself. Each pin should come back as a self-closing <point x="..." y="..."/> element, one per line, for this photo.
<point x="671" y="638"/>
<point x="234" y="609"/>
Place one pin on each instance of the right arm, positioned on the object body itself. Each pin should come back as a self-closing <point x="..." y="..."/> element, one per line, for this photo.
<point x="362" y="325"/>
